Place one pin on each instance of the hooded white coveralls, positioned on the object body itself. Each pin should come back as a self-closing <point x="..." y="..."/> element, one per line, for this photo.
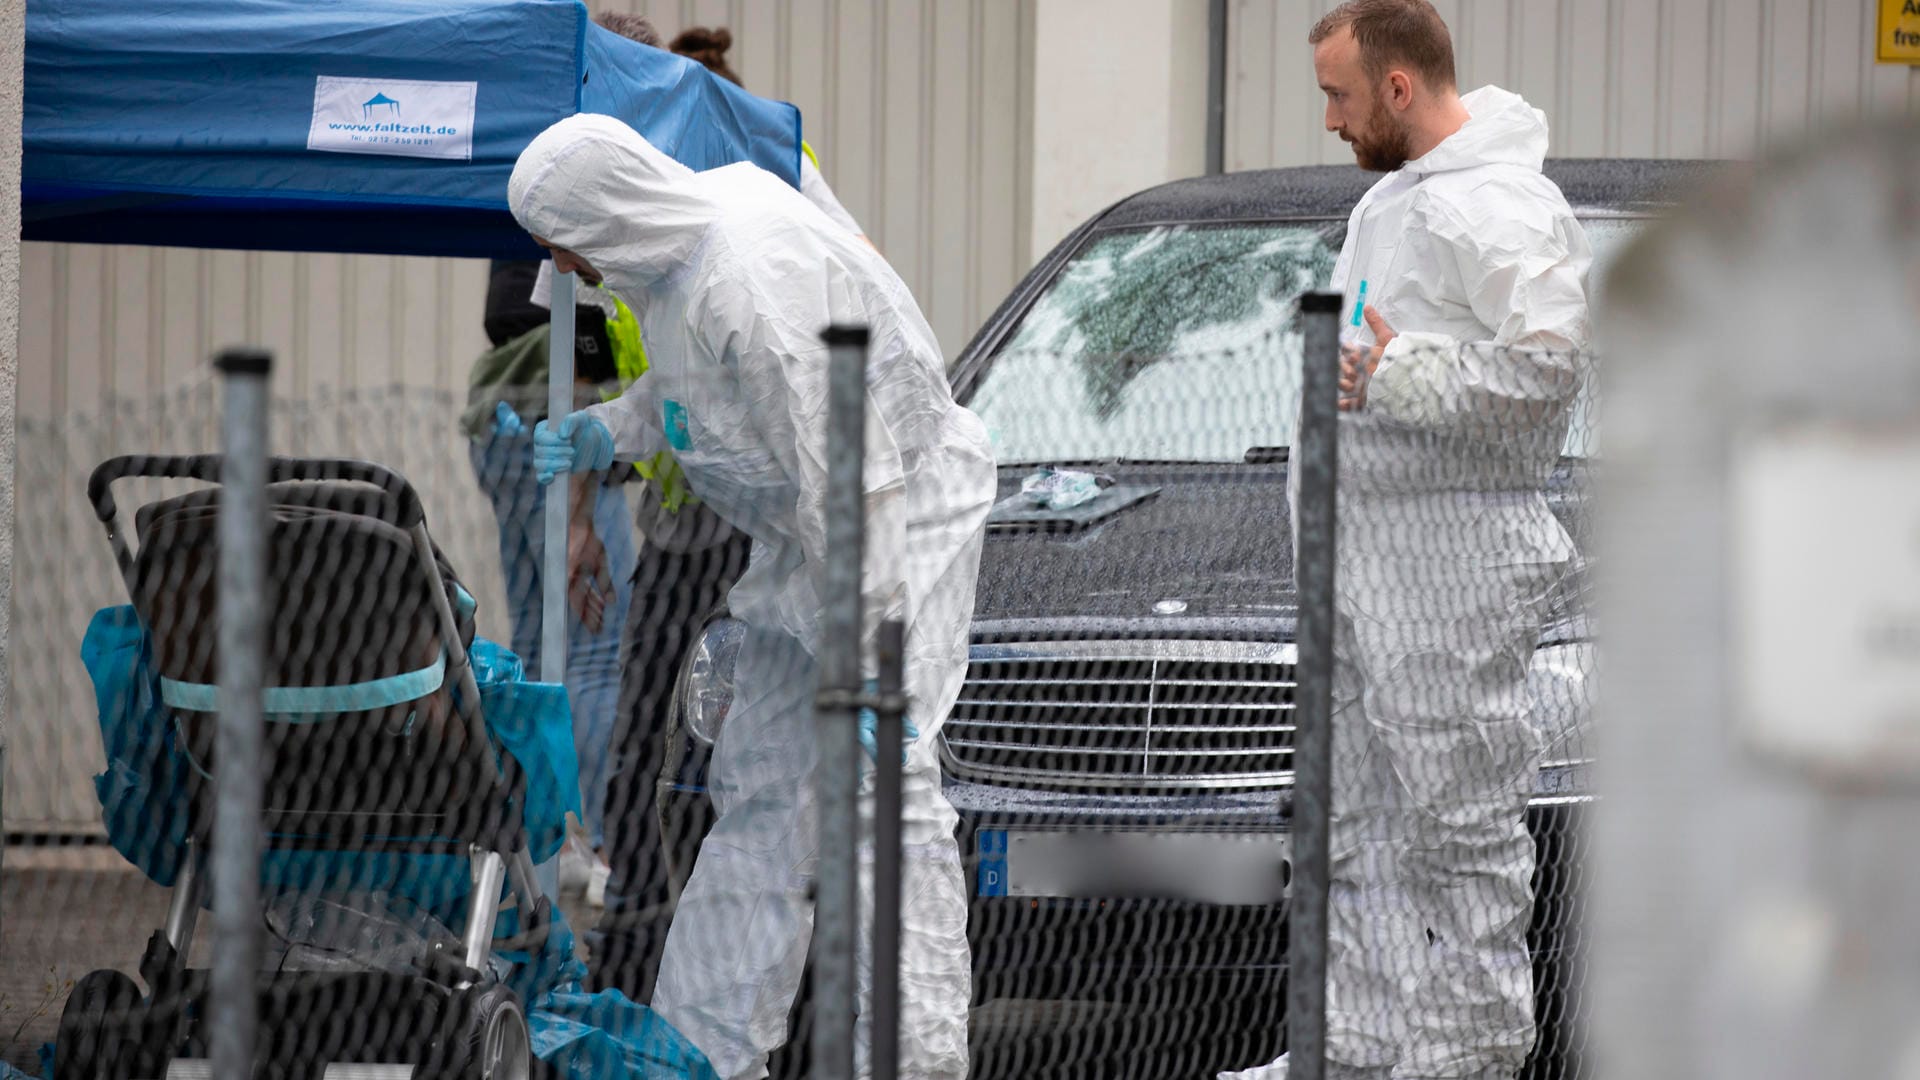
<point x="734" y="275"/>
<point x="1446" y="551"/>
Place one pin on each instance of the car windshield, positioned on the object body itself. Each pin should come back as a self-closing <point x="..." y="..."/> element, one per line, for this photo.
<point x="1179" y="343"/>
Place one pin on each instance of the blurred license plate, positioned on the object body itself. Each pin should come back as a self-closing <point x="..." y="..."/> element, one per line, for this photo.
<point x="1217" y="868"/>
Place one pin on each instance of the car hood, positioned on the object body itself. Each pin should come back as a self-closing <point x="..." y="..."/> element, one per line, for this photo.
<point x="1212" y="542"/>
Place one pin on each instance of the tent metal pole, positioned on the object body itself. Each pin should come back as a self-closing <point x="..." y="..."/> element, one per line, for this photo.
<point x="553" y="570"/>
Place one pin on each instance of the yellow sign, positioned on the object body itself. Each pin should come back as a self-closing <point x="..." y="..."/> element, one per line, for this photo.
<point x="1899" y="40"/>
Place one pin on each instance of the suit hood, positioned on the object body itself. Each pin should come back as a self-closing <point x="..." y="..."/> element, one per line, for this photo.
<point x="596" y="187"/>
<point x="1502" y="129"/>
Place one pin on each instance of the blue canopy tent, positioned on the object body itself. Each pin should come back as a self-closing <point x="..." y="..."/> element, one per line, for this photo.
<point x="373" y="126"/>
<point x="369" y="126"/>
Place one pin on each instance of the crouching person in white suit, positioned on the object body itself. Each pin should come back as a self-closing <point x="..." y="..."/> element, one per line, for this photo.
<point x="734" y="276"/>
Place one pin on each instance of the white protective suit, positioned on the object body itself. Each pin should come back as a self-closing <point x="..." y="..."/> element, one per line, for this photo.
<point x="734" y="275"/>
<point x="812" y="185"/>
<point x="1446" y="553"/>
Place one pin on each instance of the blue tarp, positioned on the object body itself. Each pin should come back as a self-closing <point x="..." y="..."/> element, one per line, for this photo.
<point x="603" y="1036"/>
<point x="296" y="125"/>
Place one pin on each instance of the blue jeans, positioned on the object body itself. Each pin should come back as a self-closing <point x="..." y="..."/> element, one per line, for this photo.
<point x="504" y="467"/>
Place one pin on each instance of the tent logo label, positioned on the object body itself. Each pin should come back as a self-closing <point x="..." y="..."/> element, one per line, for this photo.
<point x="403" y="117"/>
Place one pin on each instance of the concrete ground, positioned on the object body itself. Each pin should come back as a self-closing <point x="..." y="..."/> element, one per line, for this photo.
<point x="65" y="911"/>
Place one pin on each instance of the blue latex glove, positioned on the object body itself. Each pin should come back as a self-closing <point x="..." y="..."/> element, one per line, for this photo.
<point x="870" y="728"/>
<point x="507" y="422"/>
<point x="578" y="443"/>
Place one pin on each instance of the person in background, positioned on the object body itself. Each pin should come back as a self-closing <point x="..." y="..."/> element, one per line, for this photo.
<point x="687" y="560"/>
<point x="513" y="373"/>
<point x="709" y="46"/>
<point x="1469" y="271"/>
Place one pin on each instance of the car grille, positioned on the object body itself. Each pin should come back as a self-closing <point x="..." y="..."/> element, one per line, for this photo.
<point x="1110" y="714"/>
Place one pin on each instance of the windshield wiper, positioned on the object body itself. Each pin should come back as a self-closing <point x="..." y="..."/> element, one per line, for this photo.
<point x="1259" y="454"/>
<point x="1090" y="465"/>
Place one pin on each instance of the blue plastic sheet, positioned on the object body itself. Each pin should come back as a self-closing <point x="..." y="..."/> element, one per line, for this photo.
<point x="143" y="793"/>
<point x="601" y="1036"/>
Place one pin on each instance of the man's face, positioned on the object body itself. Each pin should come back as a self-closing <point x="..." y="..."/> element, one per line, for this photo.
<point x="566" y="262"/>
<point x="1357" y="108"/>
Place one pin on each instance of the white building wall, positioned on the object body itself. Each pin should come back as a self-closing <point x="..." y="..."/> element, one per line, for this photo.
<point x="12" y="93"/>
<point x="1617" y="78"/>
<point x="1116" y="106"/>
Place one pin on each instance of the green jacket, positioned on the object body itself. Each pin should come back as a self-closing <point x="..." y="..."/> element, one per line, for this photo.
<point x="516" y="373"/>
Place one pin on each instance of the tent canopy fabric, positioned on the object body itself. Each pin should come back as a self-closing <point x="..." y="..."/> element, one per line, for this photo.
<point x="372" y="126"/>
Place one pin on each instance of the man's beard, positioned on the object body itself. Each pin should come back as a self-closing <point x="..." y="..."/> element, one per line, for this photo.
<point x="1387" y="145"/>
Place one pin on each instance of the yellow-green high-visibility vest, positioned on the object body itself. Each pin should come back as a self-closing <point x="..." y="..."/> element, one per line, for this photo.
<point x="623" y="332"/>
<point x="630" y="362"/>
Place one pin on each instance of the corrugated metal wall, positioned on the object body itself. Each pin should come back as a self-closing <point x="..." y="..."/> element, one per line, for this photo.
<point x="916" y="108"/>
<point x="1617" y="78"/>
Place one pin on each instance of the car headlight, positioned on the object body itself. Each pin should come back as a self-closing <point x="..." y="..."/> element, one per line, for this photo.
<point x="704" y="691"/>
<point x="1560" y="685"/>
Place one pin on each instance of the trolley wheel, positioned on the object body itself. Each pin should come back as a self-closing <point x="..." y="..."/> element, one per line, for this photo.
<point x="492" y="1042"/>
<point x="99" y="1035"/>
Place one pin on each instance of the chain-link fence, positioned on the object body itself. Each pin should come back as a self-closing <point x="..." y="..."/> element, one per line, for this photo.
<point x="1099" y="834"/>
<point x="412" y="772"/>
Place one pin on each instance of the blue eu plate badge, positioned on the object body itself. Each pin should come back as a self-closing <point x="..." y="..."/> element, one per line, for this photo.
<point x="674" y="415"/>
<point x="993" y="862"/>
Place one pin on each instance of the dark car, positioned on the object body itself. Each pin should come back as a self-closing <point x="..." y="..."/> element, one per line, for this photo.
<point x="1120" y="754"/>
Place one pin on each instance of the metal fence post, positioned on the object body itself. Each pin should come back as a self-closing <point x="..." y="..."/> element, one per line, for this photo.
<point x="1217" y="20"/>
<point x="836" y="911"/>
<point x="238" y="741"/>
<point x="888" y="732"/>
<point x="1316" y="458"/>
<point x="553" y="564"/>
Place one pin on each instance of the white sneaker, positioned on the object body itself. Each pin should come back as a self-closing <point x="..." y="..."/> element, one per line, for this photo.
<point x="576" y="866"/>
<point x="1277" y="1070"/>
<point x="597" y="876"/>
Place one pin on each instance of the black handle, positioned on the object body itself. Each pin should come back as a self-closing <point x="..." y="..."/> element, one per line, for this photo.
<point x="207" y="467"/>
